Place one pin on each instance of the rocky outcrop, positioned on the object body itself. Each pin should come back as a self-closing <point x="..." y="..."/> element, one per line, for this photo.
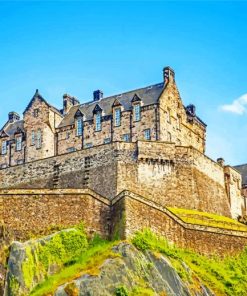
<point x="134" y="270"/>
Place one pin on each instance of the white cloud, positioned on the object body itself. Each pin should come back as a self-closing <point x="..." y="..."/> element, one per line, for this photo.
<point x="238" y="106"/>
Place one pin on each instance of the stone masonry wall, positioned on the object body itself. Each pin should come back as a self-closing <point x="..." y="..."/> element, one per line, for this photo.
<point x="141" y="213"/>
<point x="32" y="212"/>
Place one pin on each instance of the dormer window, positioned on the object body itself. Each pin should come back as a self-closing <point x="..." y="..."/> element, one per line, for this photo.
<point x="4" y="147"/>
<point x="117" y="116"/>
<point x="137" y="112"/>
<point x="98" y="122"/>
<point x="18" y="143"/>
<point x="79" y="126"/>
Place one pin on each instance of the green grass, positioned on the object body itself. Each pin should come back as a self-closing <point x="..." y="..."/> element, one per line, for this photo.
<point x="208" y="219"/>
<point x="226" y="276"/>
<point x="88" y="262"/>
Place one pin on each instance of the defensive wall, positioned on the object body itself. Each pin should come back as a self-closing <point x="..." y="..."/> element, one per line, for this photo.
<point x="170" y="175"/>
<point x="30" y="211"/>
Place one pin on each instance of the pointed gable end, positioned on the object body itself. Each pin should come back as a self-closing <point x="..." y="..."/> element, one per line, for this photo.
<point x="78" y="113"/>
<point x="37" y="95"/>
<point x="97" y="109"/>
<point x="3" y="134"/>
<point x="135" y="99"/>
<point x="116" y="103"/>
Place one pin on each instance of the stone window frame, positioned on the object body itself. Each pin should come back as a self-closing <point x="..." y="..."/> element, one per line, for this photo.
<point x="98" y="122"/>
<point x="147" y="134"/>
<point x="33" y="138"/>
<point x="18" y="143"/>
<point x="4" y="147"/>
<point x="179" y="122"/>
<point x="137" y="112"/>
<point x="126" y="137"/>
<point x="107" y="140"/>
<point x="168" y="115"/>
<point x="71" y="149"/>
<point x="88" y="145"/>
<point x="39" y="139"/>
<point x="117" y="116"/>
<point x="36" y="112"/>
<point x="79" y="126"/>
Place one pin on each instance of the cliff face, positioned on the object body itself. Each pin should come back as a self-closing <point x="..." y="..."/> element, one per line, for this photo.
<point x="133" y="273"/>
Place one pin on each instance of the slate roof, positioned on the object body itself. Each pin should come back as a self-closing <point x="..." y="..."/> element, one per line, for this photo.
<point x="242" y="169"/>
<point x="11" y="128"/>
<point x="149" y="95"/>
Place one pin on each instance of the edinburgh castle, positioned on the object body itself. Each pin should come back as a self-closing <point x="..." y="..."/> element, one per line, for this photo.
<point x="120" y="163"/>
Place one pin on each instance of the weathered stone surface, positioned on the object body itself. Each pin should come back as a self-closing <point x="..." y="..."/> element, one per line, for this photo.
<point x="132" y="269"/>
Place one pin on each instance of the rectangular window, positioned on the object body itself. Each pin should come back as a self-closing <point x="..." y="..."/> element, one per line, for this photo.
<point x="33" y="138"/>
<point x="169" y="115"/>
<point x="137" y="112"/>
<point x="18" y="143"/>
<point x="79" y="124"/>
<point x="88" y="145"/>
<point x="107" y="140"/>
<point x="117" y="117"/>
<point x="126" y="137"/>
<point x="4" y="147"/>
<point x="98" y="122"/>
<point x="71" y="149"/>
<point x="20" y="161"/>
<point x="39" y="139"/>
<point x="147" y="134"/>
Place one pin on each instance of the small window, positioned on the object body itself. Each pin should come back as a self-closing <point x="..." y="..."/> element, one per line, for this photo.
<point x="33" y="138"/>
<point x="4" y="147"/>
<point x="20" y="161"/>
<point x="39" y="139"/>
<point x="79" y="124"/>
<point x="147" y="134"/>
<point x="169" y="115"/>
<point x="126" y="137"/>
<point x="71" y="149"/>
<point x="36" y="113"/>
<point x="18" y="142"/>
<point x="67" y="135"/>
<point x="88" y="145"/>
<point x="179" y="122"/>
<point x="169" y="137"/>
<point x="107" y="140"/>
<point x="98" y="122"/>
<point x="137" y="112"/>
<point x="4" y="166"/>
<point x="117" y="117"/>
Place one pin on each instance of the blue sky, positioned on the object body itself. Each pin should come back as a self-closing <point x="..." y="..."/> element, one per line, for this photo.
<point x="76" y="47"/>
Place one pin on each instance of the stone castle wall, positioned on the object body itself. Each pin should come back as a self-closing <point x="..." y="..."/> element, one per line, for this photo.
<point x="167" y="174"/>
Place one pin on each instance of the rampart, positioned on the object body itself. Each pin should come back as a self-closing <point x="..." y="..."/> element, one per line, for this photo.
<point x="170" y="175"/>
<point x="29" y="212"/>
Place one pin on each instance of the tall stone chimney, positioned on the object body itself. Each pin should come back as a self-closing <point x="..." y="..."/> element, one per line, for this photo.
<point x="69" y="102"/>
<point x="97" y="95"/>
<point x="13" y="116"/>
<point x="168" y="75"/>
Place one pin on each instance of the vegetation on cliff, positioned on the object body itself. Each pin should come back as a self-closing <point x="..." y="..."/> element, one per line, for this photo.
<point x="138" y="267"/>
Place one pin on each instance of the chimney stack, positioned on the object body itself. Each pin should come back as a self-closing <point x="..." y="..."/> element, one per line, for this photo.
<point x="221" y="161"/>
<point x="13" y="116"/>
<point x="69" y="102"/>
<point x="97" y="95"/>
<point x="168" y="75"/>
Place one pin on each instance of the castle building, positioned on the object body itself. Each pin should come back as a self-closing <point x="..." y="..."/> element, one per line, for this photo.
<point x="152" y="113"/>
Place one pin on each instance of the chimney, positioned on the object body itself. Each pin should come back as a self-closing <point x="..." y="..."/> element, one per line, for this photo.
<point x="221" y="161"/>
<point x="13" y="116"/>
<point x="97" y="95"/>
<point x="168" y="75"/>
<point x="69" y="102"/>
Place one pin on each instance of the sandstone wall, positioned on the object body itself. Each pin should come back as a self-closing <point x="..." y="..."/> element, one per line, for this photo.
<point x="141" y="213"/>
<point x="33" y="212"/>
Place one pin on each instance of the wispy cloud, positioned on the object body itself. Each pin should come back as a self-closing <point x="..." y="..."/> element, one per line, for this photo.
<point x="238" y="106"/>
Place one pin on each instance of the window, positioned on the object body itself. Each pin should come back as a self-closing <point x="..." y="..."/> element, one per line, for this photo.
<point x="4" y="147"/>
<point x="35" y="112"/>
<point x="39" y="139"/>
<point x="88" y="145"/>
<point x="18" y="143"/>
<point x="179" y="122"/>
<point x="147" y="134"/>
<point x="168" y="115"/>
<point x="126" y="137"/>
<point x="20" y="161"/>
<point x="4" y="166"/>
<point x="79" y="124"/>
<point x="137" y="112"/>
<point x="33" y="138"/>
<point x="98" y="122"/>
<point x="169" y="137"/>
<point x="67" y="135"/>
<point x="117" y="117"/>
<point x="71" y="149"/>
<point x="107" y="140"/>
